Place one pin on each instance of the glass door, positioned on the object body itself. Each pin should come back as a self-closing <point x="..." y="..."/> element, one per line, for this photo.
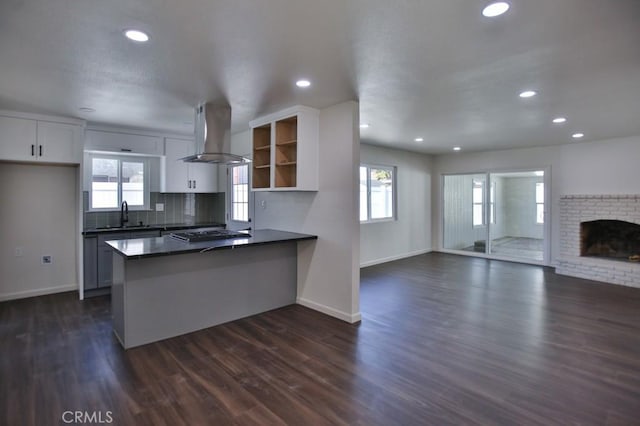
<point x="239" y="197"/>
<point x="500" y="215"/>
<point x="466" y="212"/>
<point x="518" y="228"/>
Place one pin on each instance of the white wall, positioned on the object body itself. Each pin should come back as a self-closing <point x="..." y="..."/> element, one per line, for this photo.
<point x="38" y="216"/>
<point x="601" y="167"/>
<point x="328" y="269"/>
<point x="410" y="233"/>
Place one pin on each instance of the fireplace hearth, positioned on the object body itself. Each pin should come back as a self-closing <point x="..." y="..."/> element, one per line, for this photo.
<point x="613" y="239"/>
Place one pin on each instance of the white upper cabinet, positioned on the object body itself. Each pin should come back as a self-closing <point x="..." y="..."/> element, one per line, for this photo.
<point x="59" y="142"/>
<point x="23" y="139"/>
<point x="17" y="138"/>
<point x="285" y="150"/>
<point x="178" y="176"/>
<point x="99" y="140"/>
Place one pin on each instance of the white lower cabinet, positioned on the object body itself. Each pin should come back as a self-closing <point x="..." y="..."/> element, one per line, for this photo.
<point x="23" y="139"/>
<point x="178" y="176"/>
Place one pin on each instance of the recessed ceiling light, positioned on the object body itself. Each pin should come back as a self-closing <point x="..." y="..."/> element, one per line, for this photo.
<point x="456" y="148"/>
<point x="559" y="120"/>
<point x="303" y="83"/>
<point x="136" y="35"/>
<point x="577" y="135"/>
<point x="495" y="9"/>
<point x="419" y="139"/>
<point x="364" y="126"/>
<point x="86" y="109"/>
<point x="528" y="94"/>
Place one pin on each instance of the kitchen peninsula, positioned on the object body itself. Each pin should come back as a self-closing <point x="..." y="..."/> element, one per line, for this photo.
<point x="164" y="287"/>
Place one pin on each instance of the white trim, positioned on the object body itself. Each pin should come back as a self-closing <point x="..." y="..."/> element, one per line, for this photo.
<point x="396" y="257"/>
<point x="37" y="292"/>
<point x="350" y="318"/>
<point x="40" y="117"/>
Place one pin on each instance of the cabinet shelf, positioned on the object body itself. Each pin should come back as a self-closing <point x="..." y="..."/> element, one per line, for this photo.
<point x="285" y="150"/>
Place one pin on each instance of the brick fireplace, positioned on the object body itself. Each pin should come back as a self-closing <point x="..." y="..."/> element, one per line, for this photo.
<point x="598" y="236"/>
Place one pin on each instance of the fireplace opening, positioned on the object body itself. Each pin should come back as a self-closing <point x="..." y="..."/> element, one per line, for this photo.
<point x="614" y="239"/>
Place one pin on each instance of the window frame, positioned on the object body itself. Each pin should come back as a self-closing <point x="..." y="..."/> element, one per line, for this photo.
<point x="121" y="159"/>
<point x="394" y="192"/>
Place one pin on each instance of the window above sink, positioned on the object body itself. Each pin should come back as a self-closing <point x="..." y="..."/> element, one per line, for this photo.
<point x="117" y="178"/>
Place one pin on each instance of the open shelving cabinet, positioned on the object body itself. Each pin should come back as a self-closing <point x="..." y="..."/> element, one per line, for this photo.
<point x="261" y="156"/>
<point x="285" y="151"/>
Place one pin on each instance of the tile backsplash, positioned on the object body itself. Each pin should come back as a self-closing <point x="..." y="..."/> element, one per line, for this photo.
<point x="178" y="208"/>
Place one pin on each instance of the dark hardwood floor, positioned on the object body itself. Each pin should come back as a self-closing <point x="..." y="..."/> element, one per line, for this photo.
<point x="444" y="339"/>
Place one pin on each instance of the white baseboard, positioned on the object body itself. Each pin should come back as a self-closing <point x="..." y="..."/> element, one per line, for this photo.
<point x="392" y="258"/>
<point x="37" y="292"/>
<point x="350" y="318"/>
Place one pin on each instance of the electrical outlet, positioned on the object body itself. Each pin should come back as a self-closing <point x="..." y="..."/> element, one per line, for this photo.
<point x="159" y="207"/>
<point x="19" y="252"/>
<point x="47" y="260"/>
<point x="263" y="204"/>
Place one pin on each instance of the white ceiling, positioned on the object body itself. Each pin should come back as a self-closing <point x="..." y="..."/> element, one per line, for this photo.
<point x="419" y="68"/>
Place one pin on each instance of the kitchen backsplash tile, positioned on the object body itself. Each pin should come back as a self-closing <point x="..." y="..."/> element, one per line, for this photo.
<point x="178" y="208"/>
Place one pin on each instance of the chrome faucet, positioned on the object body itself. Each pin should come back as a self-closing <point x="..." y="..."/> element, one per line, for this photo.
<point x="124" y="213"/>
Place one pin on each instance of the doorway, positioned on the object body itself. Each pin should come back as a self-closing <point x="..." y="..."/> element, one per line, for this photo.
<point x="498" y="214"/>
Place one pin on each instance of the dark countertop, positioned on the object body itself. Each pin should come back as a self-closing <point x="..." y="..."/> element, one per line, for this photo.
<point x="163" y="227"/>
<point x="164" y="246"/>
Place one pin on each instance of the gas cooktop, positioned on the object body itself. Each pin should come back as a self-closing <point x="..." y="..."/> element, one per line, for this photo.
<point x="216" y="234"/>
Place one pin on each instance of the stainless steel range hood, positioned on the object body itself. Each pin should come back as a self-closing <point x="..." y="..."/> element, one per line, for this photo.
<point x="213" y="136"/>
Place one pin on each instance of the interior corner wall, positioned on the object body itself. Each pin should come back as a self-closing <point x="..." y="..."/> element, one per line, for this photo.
<point x="410" y="233"/>
<point x="328" y="268"/>
<point x="38" y="217"/>
<point x="589" y="168"/>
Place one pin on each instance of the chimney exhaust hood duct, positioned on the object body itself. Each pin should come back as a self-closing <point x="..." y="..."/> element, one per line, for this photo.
<point x="213" y="136"/>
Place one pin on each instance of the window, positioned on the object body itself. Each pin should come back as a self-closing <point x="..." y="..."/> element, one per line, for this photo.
<point x="240" y="193"/>
<point x="539" y="202"/>
<point x="377" y="200"/>
<point x="492" y="203"/>
<point x="478" y="202"/>
<point x="117" y="179"/>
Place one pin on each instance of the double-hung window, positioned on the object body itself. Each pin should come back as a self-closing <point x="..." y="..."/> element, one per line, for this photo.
<point x="115" y="179"/>
<point x="377" y="193"/>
